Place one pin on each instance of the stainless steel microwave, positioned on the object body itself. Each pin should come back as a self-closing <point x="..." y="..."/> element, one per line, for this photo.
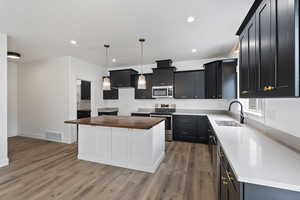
<point x="162" y="92"/>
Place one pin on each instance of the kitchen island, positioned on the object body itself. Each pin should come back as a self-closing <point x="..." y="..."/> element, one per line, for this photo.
<point x="130" y="142"/>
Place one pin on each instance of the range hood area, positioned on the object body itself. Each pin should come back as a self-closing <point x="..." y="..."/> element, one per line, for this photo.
<point x="163" y="75"/>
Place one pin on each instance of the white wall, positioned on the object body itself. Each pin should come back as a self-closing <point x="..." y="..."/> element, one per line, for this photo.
<point x="12" y="114"/>
<point x="3" y="100"/>
<point x="47" y="95"/>
<point x="279" y="113"/>
<point x="43" y="97"/>
<point x="128" y="104"/>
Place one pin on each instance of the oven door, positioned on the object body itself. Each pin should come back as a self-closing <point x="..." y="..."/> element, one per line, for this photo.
<point x="168" y="126"/>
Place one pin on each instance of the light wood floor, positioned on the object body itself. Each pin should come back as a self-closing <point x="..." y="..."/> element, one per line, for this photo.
<point x="48" y="170"/>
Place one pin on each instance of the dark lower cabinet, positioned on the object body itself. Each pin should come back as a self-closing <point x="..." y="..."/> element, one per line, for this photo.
<point x="190" y="128"/>
<point x="189" y="84"/>
<point x="140" y="115"/>
<point x="143" y="94"/>
<point x="269" y="50"/>
<point x="111" y="94"/>
<point x="108" y="113"/>
<point x="231" y="189"/>
<point x="83" y="114"/>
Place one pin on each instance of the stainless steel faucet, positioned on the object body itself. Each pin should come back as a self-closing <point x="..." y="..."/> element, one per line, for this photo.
<point x="242" y="119"/>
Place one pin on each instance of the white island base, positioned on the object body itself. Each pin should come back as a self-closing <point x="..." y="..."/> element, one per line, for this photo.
<point x="138" y="149"/>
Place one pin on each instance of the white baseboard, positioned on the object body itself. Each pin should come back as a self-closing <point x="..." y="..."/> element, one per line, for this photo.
<point x="4" y="162"/>
<point x="12" y="134"/>
<point x="128" y="165"/>
<point x="39" y="137"/>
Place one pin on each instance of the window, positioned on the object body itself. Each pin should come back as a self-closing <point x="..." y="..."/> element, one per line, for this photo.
<point x="254" y="105"/>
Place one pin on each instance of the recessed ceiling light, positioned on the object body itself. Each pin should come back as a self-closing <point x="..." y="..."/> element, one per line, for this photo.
<point x="74" y="42"/>
<point x="114" y="60"/>
<point x="13" y="55"/>
<point x="190" y="19"/>
<point x="194" y="50"/>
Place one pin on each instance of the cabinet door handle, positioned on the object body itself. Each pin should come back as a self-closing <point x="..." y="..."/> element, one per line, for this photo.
<point x="270" y="88"/>
<point x="224" y="180"/>
<point x="229" y="176"/>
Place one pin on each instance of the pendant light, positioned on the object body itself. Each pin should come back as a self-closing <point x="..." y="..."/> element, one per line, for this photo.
<point x="142" y="80"/>
<point x="106" y="80"/>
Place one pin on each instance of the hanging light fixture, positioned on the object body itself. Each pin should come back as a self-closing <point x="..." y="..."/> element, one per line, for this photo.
<point x="106" y="79"/>
<point x="142" y="80"/>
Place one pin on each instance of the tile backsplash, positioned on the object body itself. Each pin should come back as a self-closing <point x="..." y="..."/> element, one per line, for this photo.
<point x="127" y="104"/>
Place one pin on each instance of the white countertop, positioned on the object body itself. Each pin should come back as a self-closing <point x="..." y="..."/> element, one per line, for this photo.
<point x="256" y="158"/>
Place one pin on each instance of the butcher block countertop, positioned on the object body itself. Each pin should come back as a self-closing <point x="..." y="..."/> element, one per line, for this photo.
<point x="119" y="121"/>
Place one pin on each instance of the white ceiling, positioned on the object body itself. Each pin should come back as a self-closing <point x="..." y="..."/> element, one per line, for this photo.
<point x="40" y="29"/>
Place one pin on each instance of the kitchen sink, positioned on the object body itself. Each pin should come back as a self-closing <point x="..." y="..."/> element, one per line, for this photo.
<point x="228" y="123"/>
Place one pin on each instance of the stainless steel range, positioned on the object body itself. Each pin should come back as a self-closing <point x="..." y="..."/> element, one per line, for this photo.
<point x="166" y="111"/>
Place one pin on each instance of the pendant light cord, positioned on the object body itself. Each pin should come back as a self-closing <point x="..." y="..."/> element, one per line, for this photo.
<point x="106" y="54"/>
<point x="142" y="40"/>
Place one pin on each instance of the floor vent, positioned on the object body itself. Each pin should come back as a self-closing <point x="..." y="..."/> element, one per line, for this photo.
<point x="53" y="136"/>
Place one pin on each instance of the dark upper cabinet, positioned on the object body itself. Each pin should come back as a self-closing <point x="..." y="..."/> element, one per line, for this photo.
<point x="221" y="79"/>
<point x="163" y="76"/>
<point x="268" y="41"/>
<point x="190" y="128"/>
<point x="211" y="80"/>
<point x="164" y="63"/>
<point x="85" y="90"/>
<point x="111" y="94"/>
<point x="244" y="62"/>
<point x="122" y="78"/>
<point x="189" y="84"/>
<point x="199" y="85"/>
<point x="144" y="94"/>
